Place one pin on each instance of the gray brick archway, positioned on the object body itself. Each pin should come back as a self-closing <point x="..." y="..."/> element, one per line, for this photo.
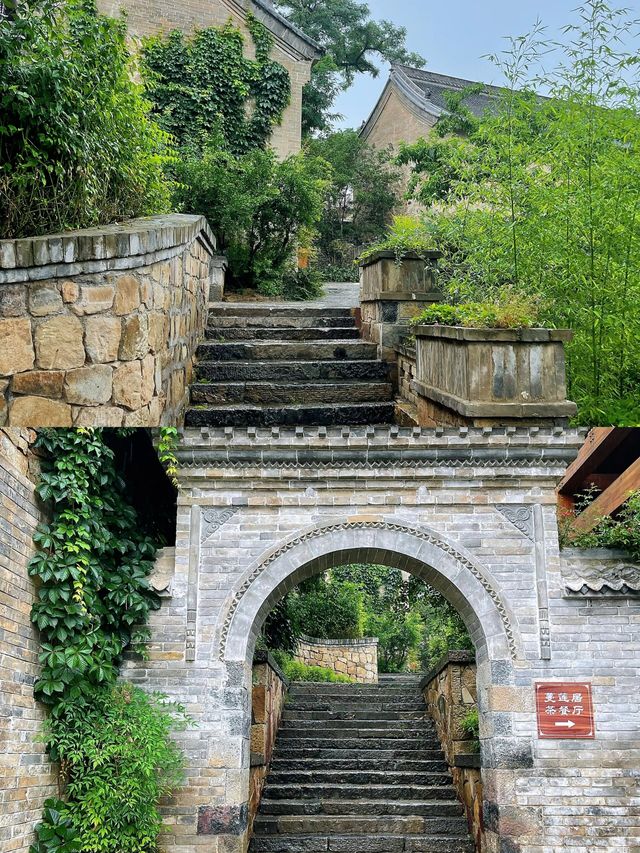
<point x="377" y="540"/>
<point x="472" y="512"/>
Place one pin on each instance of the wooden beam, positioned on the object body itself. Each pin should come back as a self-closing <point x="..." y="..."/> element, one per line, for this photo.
<point x="610" y="500"/>
<point x="599" y="444"/>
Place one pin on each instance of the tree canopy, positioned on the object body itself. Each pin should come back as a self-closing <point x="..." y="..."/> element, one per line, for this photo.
<point x="353" y="42"/>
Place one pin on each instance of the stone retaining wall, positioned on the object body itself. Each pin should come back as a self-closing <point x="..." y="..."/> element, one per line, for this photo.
<point x="267" y="703"/>
<point x="357" y="659"/>
<point x="27" y="778"/>
<point x="99" y="327"/>
<point x="450" y="693"/>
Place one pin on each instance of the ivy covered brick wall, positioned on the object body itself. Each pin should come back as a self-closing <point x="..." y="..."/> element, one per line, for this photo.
<point x="27" y="777"/>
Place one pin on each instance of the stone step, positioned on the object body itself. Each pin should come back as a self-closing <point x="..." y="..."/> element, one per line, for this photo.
<point x="288" y="351"/>
<point x="360" y="844"/>
<point x="333" y="755"/>
<point x="332" y="825"/>
<point x="280" y="321"/>
<point x="257" y="309"/>
<point x="361" y="743"/>
<point x="244" y="415"/>
<point x="316" y="791"/>
<point x="417" y="765"/>
<point x="308" y="703"/>
<point x="312" y="714"/>
<point x="357" y="777"/>
<point x="292" y="732"/>
<point x="226" y="334"/>
<point x="431" y="808"/>
<point x="361" y="691"/>
<point x="264" y="393"/>
<point x="292" y="371"/>
<point x="423" y="725"/>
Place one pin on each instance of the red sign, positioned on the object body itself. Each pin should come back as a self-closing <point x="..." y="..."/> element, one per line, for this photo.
<point x="565" y="710"/>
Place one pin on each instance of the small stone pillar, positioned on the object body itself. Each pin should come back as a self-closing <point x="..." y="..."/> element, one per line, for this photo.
<point x="392" y="293"/>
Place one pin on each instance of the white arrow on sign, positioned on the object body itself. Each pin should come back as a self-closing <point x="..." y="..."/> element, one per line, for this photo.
<point x="568" y="725"/>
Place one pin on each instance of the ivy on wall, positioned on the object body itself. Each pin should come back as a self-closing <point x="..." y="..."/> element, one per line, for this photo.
<point x="111" y="739"/>
<point x="203" y="84"/>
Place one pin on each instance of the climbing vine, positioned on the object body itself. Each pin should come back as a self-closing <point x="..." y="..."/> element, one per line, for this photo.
<point x="202" y="85"/>
<point x="167" y="445"/>
<point x="92" y="603"/>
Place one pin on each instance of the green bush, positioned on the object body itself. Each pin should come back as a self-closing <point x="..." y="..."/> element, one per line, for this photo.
<point x="470" y="725"/>
<point x="621" y="532"/>
<point x="298" y="284"/>
<point x="118" y="760"/>
<point x="444" y="630"/>
<point x="509" y="310"/>
<point x="404" y="236"/>
<point x="331" y="611"/>
<point x="259" y="208"/>
<point x="397" y="633"/>
<point x="339" y="272"/>
<point x="77" y="147"/>
<point x="297" y="671"/>
<point x="55" y="833"/>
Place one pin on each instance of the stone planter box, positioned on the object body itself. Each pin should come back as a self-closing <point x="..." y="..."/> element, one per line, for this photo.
<point x="392" y="294"/>
<point x="482" y="376"/>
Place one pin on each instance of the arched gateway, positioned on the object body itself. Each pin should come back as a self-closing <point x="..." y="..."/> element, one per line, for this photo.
<point x="472" y="512"/>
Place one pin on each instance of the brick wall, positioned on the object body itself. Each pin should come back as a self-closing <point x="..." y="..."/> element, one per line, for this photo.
<point x="26" y="777"/>
<point x="357" y="659"/>
<point x="100" y="326"/>
<point x="147" y="17"/>
<point x="473" y="513"/>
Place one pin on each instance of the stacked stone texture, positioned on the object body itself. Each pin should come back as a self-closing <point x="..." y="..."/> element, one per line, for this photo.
<point x="357" y="659"/>
<point x="100" y="327"/>
<point x="26" y="776"/>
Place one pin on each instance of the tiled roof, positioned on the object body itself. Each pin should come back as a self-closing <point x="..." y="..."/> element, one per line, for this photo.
<point x="426" y="89"/>
<point x="605" y="580"/>
<point x="269" y="10"/>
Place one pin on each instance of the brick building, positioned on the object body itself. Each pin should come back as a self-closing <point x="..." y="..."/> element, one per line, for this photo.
<point x="293" y="49"/>
<point x="412" y="102"/>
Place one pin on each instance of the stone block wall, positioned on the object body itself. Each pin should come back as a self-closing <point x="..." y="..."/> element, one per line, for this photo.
<point x="26" y="776"/>
<point x="100" y="327"/>
<point x="450" y="692"/>
<point x="357" y="659"/>
<point x="269" y="690"/>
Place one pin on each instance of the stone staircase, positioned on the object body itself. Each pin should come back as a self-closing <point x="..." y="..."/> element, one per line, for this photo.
<point x="265" y="364"/>
<point x="359" y="769"/>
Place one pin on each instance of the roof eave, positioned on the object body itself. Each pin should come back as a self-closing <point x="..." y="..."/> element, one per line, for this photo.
<point x="276" y="23"/>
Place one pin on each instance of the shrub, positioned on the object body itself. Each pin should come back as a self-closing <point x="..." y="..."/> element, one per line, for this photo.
<point x="509" y="310"/>
<point x="55" y="833"/>
<point x="397" y="633"/>
<point x="331" y="611"/>
<point x="295" y="670"/>
<point x="298" y="284"/>
<point x="470" y="725"/>
<point x="77" y="147"/>
<point x="339" y="272"/>
<point x="258" y="207"/>
<point x="118" y="760"/>
<point x="405" y="235"/>
<point x="621" y="532"/>
<point x="444" y="630"/>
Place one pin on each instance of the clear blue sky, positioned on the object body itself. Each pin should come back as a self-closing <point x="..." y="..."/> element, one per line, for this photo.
<point x="452" y="35"/>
